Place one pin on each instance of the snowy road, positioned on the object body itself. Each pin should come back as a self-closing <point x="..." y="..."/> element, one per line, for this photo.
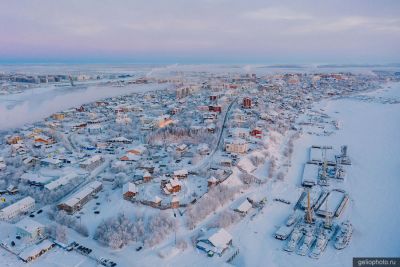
<point x="207" y="160"/>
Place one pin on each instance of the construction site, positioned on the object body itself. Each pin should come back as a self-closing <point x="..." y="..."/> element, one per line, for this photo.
<point x="317" y="218"/>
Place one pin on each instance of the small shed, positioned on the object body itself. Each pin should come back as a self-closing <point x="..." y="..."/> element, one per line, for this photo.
<point x="212" y="181"/>
<point x="146" y="177"/>
<point x="243" y="207"/>
<point x="129" y="191"/>
<point x="175" y="202"/>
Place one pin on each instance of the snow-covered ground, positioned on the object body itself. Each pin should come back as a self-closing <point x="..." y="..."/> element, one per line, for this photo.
<point x="38" y="103"/>
<point x="372" y="132"/>
<point x="368" y="125"/>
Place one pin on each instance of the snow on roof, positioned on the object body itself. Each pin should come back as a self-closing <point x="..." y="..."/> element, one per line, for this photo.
<point x="63" y="180"/>
<point x="212" y="179"/>
<point x="245" y="206"/>
<point x="226" y="160"/>
<point x="157" y="199"/>
<point x="120" y="139"/>
<point x="174" y="182"/>
<point x="28" y="225"/>
<point x="129" y="187"/>
<point x="140" y="149"/>
<point x="181" y="172"/>
<point x="35" y="249"/>
<point x="26" y="160"/>
<point x="310" y="174"/>
<point x="174" y="199"/>
<point x="1" y="159"/>
<point x="95" y="126"/>
<point x="35" y="177"/>
<point x="237" y="141"/>
<point x="92" y="159"/>
<point x="51" y="160"/>
<point x="130" y="157"/>
<point x="240" y="130"/>
<point x="220" y="238"/>
<point x="18" y="205"/>
<point x="203" y="146"/>
<point x="317" y="154"/>
<point x="87" y="190"/>
<point x="182" y="147"/>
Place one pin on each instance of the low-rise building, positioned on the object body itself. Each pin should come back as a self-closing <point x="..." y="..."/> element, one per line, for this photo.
<point x="36" y="250"/>
<point x="30" y="228"/>
<point x="243" y="207"/>
<point x="175" y="202"/>
<point x="236" y="145"/>
<point x="171" y="186"/>
<point x="129" y="191"/>
<point x="212" y="181"/>
<point x="2" y="164"/>
<point x="181" y="174"/>
<point x="215" y="241"/>
<point x="92" y="163"/>
<point x="24" y="205"/>
<point x="62" y="181"/>
<point x="80" y="198"/>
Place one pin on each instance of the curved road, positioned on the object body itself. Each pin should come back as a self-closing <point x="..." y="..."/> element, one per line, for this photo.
<point x="210" y="156"/>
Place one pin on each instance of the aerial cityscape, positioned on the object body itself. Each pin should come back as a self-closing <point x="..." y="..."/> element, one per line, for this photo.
<point x="165" y="149"/>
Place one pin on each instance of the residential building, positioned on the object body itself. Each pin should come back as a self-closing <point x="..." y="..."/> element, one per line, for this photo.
<point x="10" y="212"/>
<point x="80" y="198"/>
<point x="92" y="163"/>
<point x="30" y="228"/>
<point x="215" y="241"/>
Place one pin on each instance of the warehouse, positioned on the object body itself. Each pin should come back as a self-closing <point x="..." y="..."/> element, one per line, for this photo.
<point x="310" y="174"/>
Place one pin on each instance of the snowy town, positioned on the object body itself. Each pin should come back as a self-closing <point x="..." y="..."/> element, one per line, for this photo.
<point x="179" y="169"/>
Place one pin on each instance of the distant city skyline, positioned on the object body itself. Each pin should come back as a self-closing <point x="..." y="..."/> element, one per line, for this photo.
<point x="203" y="31"/>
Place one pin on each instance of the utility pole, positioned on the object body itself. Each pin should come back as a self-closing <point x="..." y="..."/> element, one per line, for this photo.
<point x="328" y="218"/>
<point x="175" y="227"/>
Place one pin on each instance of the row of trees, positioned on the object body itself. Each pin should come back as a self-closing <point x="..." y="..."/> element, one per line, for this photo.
<point x="224" y="219"/>
<point x="209" y="203"/>
<point x="118" y="231"/>
<point x="45" y="196"/>
<point x="173" y="134"/>
<point x="69" y="221"/>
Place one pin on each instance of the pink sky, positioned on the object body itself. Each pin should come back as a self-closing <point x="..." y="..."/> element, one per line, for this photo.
<point x="227" y="30"/>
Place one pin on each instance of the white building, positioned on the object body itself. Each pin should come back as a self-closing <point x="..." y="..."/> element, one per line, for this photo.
<point x="181" y="174"/>
<point x="80" y="198"/>
<point x="243" y="207"/>
<point x="236" y="145"/>
<point x="129" y="190"/>
<point x="92" y="163"/>
<point x="35" y="251"/>
<point x="215" y="241"/>
<point x="30" y="228"/>
<point x="240" y="133"/>
<point x="19" y="207"/>
<point x="63" y="180"/>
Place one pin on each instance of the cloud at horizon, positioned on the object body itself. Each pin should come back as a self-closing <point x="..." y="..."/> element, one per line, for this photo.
<point x="204" y="30"/>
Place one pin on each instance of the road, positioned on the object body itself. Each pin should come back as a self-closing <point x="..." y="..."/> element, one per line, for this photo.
<point x="207" y="160"/>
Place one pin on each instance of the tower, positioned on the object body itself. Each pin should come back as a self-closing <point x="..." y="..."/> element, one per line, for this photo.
<point x="309" y="218"/>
